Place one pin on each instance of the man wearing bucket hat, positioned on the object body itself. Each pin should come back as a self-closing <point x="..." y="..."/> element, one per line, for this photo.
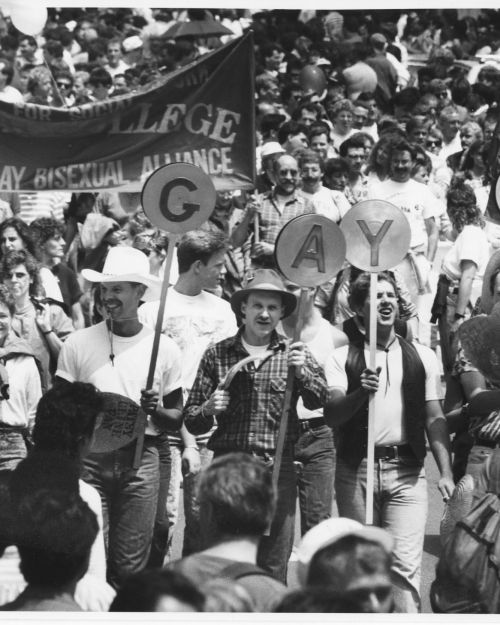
<point x="350" y="558"/>
<point x="114" y="355"/>
<point x="247" y="407"/>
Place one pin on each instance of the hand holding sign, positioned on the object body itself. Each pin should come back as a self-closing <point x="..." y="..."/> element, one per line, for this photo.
<point x="310" y="250"/>
<point x="378" y="237"/>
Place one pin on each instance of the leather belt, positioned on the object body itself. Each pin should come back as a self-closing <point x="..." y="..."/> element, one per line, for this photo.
<point x="309" y="424"/>
<point x="393" y="452"/>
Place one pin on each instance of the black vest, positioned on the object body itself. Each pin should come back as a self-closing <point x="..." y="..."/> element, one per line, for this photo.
<point x="353" y="434"/>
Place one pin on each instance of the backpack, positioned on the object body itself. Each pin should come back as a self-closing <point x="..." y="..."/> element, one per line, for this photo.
<point x="468" y="572"/>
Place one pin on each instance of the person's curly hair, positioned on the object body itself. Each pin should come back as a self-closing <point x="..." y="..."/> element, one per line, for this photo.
<point x="43" y="229"/>
<point x="22" y="257"/>
<point x="23" y="231"/>
<point x="66" y="415"/>
<point x="461" y="205"/>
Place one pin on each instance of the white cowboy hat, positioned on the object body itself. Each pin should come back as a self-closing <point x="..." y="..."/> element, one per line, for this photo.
<point x="127" y="264"/>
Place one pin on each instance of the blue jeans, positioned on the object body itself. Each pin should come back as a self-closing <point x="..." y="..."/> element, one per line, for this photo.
<point x="129" y="500"/>
<point x="160" y="539"/>
<point x="399" y="506"/>
<point x="315" y="450"/>
<point x="192" y="533"/>
<point x="275" y="550"/>
<point x="12" y="449"/>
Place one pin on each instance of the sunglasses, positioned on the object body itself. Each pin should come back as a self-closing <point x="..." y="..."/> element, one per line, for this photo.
<point x="63" y="85"/>
<point x="431" y="144"/>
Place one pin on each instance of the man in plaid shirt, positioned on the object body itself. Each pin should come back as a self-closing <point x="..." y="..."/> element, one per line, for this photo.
<point x="248" y="413"/>
<point x="275" y="209"/>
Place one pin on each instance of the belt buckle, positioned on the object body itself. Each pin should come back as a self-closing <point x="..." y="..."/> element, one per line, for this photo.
<point x="395" y="450"/>
<point x="304" y="425"/>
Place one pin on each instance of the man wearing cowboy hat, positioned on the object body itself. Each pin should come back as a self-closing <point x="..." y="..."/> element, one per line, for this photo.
<point x="114" y="355"/>
<point x="248" y="412"/>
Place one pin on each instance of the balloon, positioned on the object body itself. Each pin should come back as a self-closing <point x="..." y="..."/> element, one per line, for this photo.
<point x="312" y="78"/>
<point x="29" y="17"/>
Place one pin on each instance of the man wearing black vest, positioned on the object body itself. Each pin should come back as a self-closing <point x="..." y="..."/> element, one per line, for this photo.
<point x="408" y="391"/>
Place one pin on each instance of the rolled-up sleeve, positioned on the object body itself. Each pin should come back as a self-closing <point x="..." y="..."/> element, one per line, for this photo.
<point x="204" y="385"/>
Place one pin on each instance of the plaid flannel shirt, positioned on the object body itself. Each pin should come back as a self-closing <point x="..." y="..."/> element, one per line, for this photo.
<point x="272" y="220"/>
<point x="252" y="419"/>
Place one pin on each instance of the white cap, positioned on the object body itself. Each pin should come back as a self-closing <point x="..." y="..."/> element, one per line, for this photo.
<point x="329" y="532"/>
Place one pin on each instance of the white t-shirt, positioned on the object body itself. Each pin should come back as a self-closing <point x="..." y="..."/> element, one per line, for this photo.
<point x="471" y="244"/>
<point x="337" y="139"/>
<point x="256" y="351"/>
<point x="415" y="200"/>
<point x="84" y="357"/>
<point x="321" y="346"/>
<point x="25" y="391"/>
<point x="329" y="203"/>
<point x="194" y="322"/>
<point x="389" y="410"/>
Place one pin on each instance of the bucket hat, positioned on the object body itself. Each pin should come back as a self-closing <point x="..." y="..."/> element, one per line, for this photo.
<point x="264" y="280"/>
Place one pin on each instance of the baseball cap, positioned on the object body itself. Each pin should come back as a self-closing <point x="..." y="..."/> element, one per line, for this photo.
<point x="330" y="531"/>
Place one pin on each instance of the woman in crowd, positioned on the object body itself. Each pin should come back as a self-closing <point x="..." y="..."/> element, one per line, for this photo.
<point x="461" y="271"/>
<point x="342" y="113"/>
<point x="20" y="387"/>
<point x="15" y="235"/>
<point x="44" y="326"/>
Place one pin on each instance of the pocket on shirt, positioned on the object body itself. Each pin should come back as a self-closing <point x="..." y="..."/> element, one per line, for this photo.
<point x="277" y="397"/>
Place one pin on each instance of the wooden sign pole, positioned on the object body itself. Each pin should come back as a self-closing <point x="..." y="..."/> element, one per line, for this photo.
<point x="172" y="242"/>
<point x="280" y="445"/>
<point x="370" y="455"/>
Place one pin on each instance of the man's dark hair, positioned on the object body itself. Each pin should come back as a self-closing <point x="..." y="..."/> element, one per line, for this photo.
<point x="199" y="245"/>
<point x="56" y="531"/>
<point x="402" y="146"/>
<point x="142" y="591"/>
<point x="356" y="140"/>
<point x="30" y="39"/>
<point x="360" y="288"/>
<point x="349" y="556"/>
<point x="54" y="48"/>
<point x="336" y="166"/>
<point x="237" y="488"/>
<point x="65" y="415"/>
<point x="291" y="128"/>
<point x="99" y="76"/>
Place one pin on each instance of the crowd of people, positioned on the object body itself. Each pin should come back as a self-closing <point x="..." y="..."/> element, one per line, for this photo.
<point x="343" y="115"/>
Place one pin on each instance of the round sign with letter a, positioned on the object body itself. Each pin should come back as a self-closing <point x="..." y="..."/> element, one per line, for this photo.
<point x="377" y="235"/>
<point x="310" y="250"/>
<point x="178" y="197"/>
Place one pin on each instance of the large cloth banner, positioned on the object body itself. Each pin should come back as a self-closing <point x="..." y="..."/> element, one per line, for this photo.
<point x="202" y="114"/>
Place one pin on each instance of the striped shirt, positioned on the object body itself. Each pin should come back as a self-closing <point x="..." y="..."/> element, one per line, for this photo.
<point x="251" y="421"/>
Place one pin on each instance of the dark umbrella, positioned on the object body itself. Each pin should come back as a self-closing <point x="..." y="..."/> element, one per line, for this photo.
<point x="207" y="27"/>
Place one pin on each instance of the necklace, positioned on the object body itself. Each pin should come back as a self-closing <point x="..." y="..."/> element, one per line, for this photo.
<point x="111" y="334"/>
